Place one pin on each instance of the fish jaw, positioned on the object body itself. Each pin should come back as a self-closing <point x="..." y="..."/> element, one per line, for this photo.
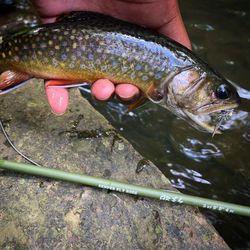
<point x="210" y="121"/>
<point x="199" y="121"/>
<point x="203" y="116"/>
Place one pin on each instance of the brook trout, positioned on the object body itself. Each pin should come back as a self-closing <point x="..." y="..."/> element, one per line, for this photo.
<point x="87" y="46"/>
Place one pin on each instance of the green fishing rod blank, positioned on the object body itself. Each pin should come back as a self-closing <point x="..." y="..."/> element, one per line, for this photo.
<point x="159" y="194"/>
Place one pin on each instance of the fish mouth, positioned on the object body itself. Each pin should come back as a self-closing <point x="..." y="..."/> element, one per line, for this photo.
<point x="202" y="122"/>
<point x="210" y="121"/>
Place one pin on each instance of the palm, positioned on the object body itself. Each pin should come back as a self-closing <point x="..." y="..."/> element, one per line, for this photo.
<point x="161" y="15"/>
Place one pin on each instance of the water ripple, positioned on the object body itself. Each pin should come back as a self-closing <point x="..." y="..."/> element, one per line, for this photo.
<point x="183" y="173"/>
<point x="199" y="151"/>
<point x="201" y="26"/>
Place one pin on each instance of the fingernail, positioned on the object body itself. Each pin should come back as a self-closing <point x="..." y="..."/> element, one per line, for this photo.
<point x="127" y="92"/>
<point x="102" y="89"/>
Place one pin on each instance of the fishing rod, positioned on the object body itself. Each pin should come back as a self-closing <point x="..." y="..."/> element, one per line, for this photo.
<point x="138" y="190"/>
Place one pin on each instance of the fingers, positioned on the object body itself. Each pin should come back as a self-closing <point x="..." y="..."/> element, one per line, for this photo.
<point x="174" y="27"/>
<point x="58" y="98"/>
<point x="127" y="92"/>
<point x="102" y="90"/>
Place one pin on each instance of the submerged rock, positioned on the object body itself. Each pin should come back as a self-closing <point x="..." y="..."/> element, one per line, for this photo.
<point x="38" y="213"/>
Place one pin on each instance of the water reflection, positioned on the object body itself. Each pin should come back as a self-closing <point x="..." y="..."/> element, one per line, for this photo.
<point x="205" y="27"/>
<point x="199" y="151"/>
<point x="246" y="136"/>
<point x="185" y="173"/>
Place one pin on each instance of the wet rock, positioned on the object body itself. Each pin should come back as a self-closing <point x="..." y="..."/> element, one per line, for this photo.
<point x="38" y="213"/>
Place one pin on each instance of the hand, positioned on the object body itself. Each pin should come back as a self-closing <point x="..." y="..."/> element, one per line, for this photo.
<point x="161" y="15"/>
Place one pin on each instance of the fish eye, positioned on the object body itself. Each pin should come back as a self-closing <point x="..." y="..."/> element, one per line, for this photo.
<point x="222" y="91"/>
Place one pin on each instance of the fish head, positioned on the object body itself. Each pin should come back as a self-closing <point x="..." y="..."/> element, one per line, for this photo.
<point x="200" y="96"/>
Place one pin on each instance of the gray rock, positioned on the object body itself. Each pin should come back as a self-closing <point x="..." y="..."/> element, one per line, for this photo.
<point x="38" y="213"/>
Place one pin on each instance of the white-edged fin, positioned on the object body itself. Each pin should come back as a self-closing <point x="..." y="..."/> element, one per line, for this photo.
<point x="10" y="89"/>
<point x="11" y="78"/>
<point x="69" y="86"/>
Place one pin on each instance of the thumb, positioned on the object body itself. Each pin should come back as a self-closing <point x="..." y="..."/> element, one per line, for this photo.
<point x="58" y="98"/>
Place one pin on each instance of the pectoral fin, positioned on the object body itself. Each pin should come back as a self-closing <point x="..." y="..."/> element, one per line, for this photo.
<point x="153" y="94"/>
<point x="138" y="103"/>
<point x="63" y="83"/>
